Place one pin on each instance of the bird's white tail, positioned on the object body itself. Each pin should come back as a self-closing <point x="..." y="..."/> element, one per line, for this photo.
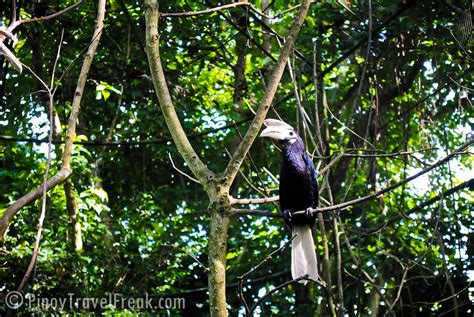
<point x="303" y="255"/>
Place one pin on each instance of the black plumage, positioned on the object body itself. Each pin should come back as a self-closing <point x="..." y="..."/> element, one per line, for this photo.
<point x="298" y="195"/>
<point x="298" y="184"/>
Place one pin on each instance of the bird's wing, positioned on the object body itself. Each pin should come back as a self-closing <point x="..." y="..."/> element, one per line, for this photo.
<point x="314" y="176"/>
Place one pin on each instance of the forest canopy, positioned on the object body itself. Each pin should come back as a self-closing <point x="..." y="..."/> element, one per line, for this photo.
<point x="131" y="168"/>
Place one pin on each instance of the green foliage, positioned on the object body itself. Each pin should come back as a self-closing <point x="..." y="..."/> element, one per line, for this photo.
<point x="144" y="224"/>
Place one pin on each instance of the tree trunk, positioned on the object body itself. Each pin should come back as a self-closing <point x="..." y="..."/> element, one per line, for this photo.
<point x="73" y="208"/>
<point x="217" y="245"/>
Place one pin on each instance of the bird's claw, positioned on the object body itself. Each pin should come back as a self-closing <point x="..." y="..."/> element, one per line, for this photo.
<point x="309" y="212"/>
<point x="287" y="215"/>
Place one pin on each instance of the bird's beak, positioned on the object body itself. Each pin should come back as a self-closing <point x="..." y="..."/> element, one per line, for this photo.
<point x="274" y="132"/>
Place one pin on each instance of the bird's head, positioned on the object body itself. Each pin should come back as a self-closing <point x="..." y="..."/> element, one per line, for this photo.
<point x="280" y="131"/>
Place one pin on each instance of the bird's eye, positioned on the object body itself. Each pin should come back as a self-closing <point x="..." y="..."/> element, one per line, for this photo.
<point x="292" y="133"/>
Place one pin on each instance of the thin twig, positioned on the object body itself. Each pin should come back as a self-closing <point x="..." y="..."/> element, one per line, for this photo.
<point x="394" y="219"/>
<point x="268" y="257"/>
<point x="240" y="293"/>
<point x="65" y="170"/>
<point x="265" y="278"/>
<point x="42" y="216"/>
<point x="8" y="32"/>
<point x="353" y="202"/>
<point x="279" y="287"/>
<point x="51" y="16"/>
<point x="176" y="246"/>
<point x="228" y="6"/>
<point x="347" y="204"/>
<point x="399" y="292"/>
<point x="180" y="171"/>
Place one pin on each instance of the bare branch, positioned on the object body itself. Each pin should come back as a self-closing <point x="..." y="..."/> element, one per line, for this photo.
<point x="48" y="166"/>
<point x="467" y="184"/>
<point x="180" y="171"/>
<point x="65" y="170"/>
<point x="51" y="16"/>
<point x="279" y="287"/>
<point x="347" y="204"/>
<point x="13" y="19"/>
<point x="185" y="148"/>
<point x="4" y="50"/>
<point x="228" y="6"/>
<point x="244" y="146"/>
<point x="248" y="201"/>
<point x="353" y="202"/>
<point x="257" y="280"/>
<point x="268" y="257"/>
<point x="212" y="10"/>
<point x="399" y="292"/>
<point x="8" y="32"/>
<point x="43" y="204"/>
<point x="174" y="246"/>
<point x="240" y="278"/>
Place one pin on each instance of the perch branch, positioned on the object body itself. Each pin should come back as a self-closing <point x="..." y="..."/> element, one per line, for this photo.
<point x="249" y="212"/>
<point x="347" y="204"/>
<point x="353" y="202"/>
<point x="248" y="201"/>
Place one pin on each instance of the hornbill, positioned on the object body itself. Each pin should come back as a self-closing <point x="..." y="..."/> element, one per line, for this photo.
<point x="298" y="195"/>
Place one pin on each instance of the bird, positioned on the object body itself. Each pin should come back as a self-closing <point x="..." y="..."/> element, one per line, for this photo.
<point x="299" y="194"/>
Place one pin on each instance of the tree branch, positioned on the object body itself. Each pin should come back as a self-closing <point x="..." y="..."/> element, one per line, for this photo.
<point x="248" y="201"/>
<point x="353" y="202"/>
<point x="65" y="170"/>
<point x="39" y="231"/>
<point x="240" y="279"/>
<point x="347" y="204"/>
<point x="247" y="141"/>
<point x="13" y="15"/>
<point x="8" y="32"/>
<point x="180" y="171"/>
<point x="5" y="51"/>
<point x="212" y="10"/>
<point x="468" y="184"/>
<point x="279" y="287"/>
<point x="265" y="279"/>
<point x="51" y="16"/>
<point x="185" y="148"/>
